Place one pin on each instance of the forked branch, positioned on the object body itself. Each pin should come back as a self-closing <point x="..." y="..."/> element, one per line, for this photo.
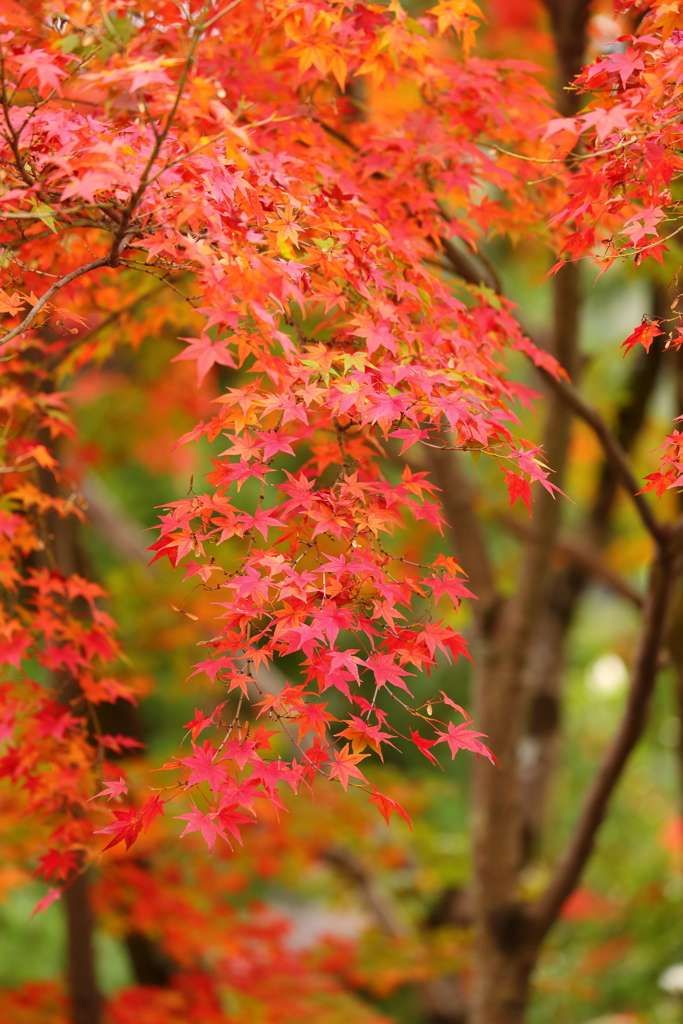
<point x="653" y="636"/>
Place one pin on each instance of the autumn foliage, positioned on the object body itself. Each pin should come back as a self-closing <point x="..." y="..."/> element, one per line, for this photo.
<point x="244" y="159"/>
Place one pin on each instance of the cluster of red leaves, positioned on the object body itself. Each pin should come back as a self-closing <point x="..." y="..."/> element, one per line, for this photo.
<point x="621" y="183"/>
<point x="671" y="472"/>
<point x="304" y="230"/>
<point x="626" y="145"/>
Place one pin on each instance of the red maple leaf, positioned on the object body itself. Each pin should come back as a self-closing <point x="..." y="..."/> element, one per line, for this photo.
<point x="230" y="818"/>
<point x="204" y="823"/>
<point x="126" y="827"/>
<point x="423" y="745"/>
<point x="345" y="767"/>
<point x="518" y="487"/>
<point x="644" y="335"/>
<point x="387" y="806"/>
<point x="58" y="864"/>
<point x="203" y="768"/>
<point x="454" y="588"/>
<point x="200" y="720"/>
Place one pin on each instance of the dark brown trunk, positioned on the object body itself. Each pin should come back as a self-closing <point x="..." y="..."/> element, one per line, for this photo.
<point x="86" y="999"/>
<point x="63" y="552"/>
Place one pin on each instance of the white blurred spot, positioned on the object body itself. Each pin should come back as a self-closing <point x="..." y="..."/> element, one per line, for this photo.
<point x="608" y="675"/>
<point x="671" y="980"/>
<point x="528" y="752"/>
<point x="313" y="922"/>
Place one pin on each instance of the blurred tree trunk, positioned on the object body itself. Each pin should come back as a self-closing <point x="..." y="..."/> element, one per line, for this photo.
<point x="676" y="633"/>
<point x="149" y="962"/>
<point x="505" y="948"/>
<point x="86" y="998"/>
<point x="504" y="957"/>
<point x="520" y="657"/>
<point x="521" y="639"/>
<point x="64" y="553"/>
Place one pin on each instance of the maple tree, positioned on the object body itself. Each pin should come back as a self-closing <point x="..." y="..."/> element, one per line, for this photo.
<point x="328" y="252"/>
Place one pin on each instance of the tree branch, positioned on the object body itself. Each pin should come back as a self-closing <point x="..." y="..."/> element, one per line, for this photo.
<point x="611" y="446"/>
<point x="159" y="138"/>
<point x="613" y="450"/>
<point x="588" y="557"/>
<point x="469" y="266"/>
<point x="42" y="302"/>
<point x="580" y="847"/>
<point x="348" y="864"/>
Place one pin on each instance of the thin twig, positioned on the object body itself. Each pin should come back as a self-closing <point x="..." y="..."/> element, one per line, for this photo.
<point x="42" y="302"/>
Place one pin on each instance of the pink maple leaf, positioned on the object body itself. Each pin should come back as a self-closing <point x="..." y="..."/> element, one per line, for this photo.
<point x="463" y="737"/>
<point x="42" y="65"/>
<point x="113" y="789"/>
<point x="259" y="521"/>
<point x="206" y="352"/>
<point x="273" y="442"/>
<point x="204" y="823"/>
<point x="454" y="588"/>
<point x="42" y="905"/>
<point x="606" y="121"/>
<point x="452" y="704"/>
<point x="386" y="670"/>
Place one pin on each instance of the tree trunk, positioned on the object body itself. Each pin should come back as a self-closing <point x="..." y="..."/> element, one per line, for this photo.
<point x="505" y="954"/>
<point x="86" y="999"/>
<point x="64" y="553"/>
<point x="503" y="958"/>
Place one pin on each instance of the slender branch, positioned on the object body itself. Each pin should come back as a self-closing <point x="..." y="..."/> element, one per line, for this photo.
<point x="159" y="140"/>
<point x="465" y="266"/>
<point x="580" y="847"/>
<point x="346" y="862"/>
<point x="462" y="263"/>
<point x="42" y="302"/>
<point x="585" y="554"/>
<point x="613" y="450"/>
